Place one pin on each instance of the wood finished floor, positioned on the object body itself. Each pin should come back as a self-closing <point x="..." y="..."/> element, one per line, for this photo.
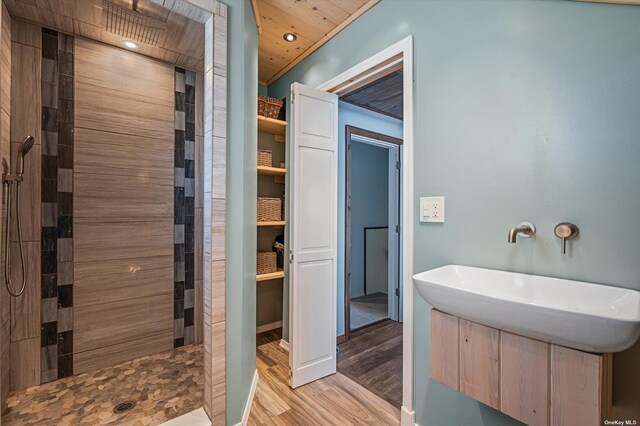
<point x="333" y="400"/>
<point x="373" y="358"/>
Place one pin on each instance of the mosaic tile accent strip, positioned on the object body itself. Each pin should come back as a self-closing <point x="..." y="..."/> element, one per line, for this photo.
<point x="163" y="386"/>
<point x="184" y="207"/>
<point x="56" y="307"/>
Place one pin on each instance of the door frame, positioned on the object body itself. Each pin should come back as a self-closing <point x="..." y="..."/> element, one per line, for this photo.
<point x="358" y="133"/>
<point x="397" y="55"/>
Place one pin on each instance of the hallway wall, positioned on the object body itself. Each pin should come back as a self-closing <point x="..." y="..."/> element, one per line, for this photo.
<point x="369" y="203"/>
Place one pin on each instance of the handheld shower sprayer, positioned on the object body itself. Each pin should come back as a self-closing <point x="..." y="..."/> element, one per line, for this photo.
<point x="23" y="149"/>
<point x="8" y="180"/>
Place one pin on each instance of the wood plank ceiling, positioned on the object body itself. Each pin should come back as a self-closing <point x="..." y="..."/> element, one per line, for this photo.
<point x="313" y="21"/>
<point x="383" y="96"/>
<point x="180" y="43"/>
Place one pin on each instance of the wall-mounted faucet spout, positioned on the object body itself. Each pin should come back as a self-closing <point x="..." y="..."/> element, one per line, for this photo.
<point x="524" y="229"/>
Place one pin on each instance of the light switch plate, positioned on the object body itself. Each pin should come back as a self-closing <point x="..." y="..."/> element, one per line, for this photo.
<point x="432" y="209"/>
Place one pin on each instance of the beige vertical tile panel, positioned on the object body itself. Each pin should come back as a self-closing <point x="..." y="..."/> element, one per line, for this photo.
<point x="5" y="156"/>
<point x="25" y="92"/>
<point x="25" y="310"/>
<point x="25" y="363"/>
<point x="123" y="205"/>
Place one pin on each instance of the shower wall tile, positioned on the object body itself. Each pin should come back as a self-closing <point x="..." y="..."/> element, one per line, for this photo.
<point x="5" y="152"/>
<point x="65" y="180"/>
<point x="123" y="221"/>
<point x="56" y="283"/>
<point x="65" y="251"/>
<point x="26" y="111"/>
<point x="188" y="335"/>
<point x="49" y="286"/>
<point x="49" y="333"/>
<point x="25" y="363"/>
<point x="65" y="365"/>
<point x="49" y="310"/>
<point x="65" y="319"/>
<point x="50" y="143"/>
<point x="189" y="299"/>
<point x="184" y="204"/>
<point x="49" y="71"/>
<point x="48" y="363"/>
<point x="178" y="177"/>
<point x="50" y="215"/>
<point x="25" y="310"/>
<point x="49" y="95"/>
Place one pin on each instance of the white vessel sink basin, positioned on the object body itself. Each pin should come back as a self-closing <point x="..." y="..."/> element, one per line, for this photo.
<point x="580" y="315"/>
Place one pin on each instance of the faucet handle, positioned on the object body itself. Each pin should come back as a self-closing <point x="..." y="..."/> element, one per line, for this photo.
<point x="565" y="231"/>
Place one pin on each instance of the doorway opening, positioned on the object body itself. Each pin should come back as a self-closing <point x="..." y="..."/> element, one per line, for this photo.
<point x="372" y="222"/>
<point x="370" y="350"/>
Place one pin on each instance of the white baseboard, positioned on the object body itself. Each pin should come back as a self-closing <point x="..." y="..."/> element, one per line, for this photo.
<point x="268" y="327"/>
<point x="249" y="404"/>
<point x="407" y="418"/>
<point x="195" y="418"/>
<point x="284" y="345"/>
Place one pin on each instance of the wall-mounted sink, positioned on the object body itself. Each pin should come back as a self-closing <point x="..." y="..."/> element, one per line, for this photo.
<point x="580" y="315"/>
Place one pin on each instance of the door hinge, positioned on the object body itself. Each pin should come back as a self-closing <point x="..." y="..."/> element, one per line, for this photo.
<point x="397" y="165"/>
<point x="290" y="256"/>
<point x="397" y="229"/>
<point x="293" y="97"/>
<point x="397" y="292"/>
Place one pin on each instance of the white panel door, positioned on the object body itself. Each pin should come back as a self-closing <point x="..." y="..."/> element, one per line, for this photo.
<point x="314" y="214"/>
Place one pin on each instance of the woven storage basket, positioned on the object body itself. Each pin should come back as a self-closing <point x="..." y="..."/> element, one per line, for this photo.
<point x="269" y="107"/>
<point x="266" y="262"/>
<point x="269" y="209"/>
<point x="265" y="158"/>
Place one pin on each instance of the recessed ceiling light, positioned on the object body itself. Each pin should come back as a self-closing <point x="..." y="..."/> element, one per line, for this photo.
<point x="130" y="44"/>
<point x="290" y="37"/>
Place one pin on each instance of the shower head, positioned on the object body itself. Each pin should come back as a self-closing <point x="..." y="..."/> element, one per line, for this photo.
<point x="23" y="149"/>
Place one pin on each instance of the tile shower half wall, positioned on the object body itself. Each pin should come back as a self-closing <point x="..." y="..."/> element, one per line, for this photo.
<point x="104" y="287"/>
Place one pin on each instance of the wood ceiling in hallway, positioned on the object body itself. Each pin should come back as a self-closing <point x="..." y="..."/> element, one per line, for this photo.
<point x="383" y="96"/>
<point x="180" y="43"/>
<point x="313" y="21"/>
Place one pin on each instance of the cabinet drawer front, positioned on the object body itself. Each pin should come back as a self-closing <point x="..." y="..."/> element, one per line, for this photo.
<point x="445" y="365"/>
<point x="480" y="362"/>
<point x="524" y="379"/>
<point x="580" y="385"/>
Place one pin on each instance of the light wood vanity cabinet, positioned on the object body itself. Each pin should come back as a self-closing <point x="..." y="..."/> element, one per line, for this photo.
<point x="532" y="381"/>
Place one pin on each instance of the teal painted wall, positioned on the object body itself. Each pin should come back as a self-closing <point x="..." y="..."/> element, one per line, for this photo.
<point x="369" y="203"/>
<point x="523" y="110"/>
<point x="241" y="206"/>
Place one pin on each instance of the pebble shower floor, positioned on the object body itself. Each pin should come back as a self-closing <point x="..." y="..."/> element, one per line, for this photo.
<point x="162" y="386"/>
